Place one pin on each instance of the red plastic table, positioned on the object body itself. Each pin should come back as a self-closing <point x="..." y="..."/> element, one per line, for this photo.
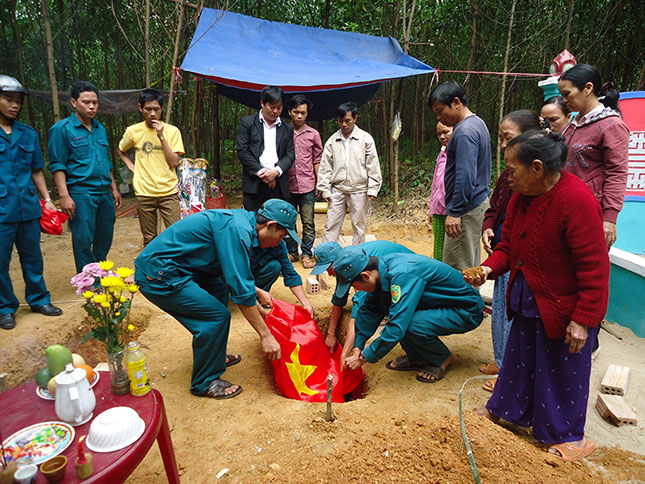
<point x="21" y="407"/>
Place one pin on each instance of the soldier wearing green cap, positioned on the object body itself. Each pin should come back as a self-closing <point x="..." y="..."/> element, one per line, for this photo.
<point x="268" y="263"/>
<point x="192" y="266"/>
<point x="422" y="298"/>
<point x="325" y="254"/>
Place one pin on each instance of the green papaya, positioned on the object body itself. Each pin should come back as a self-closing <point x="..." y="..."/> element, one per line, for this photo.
<point x="43" y="376"/>
<point x="57" y="357"/>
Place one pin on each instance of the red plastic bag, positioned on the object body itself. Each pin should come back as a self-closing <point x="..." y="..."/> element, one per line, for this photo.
<point x="301" y="373"/>
<point x="51" y="221"/>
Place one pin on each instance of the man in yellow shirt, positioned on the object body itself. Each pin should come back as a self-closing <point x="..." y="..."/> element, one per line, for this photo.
<point x="157" y="148"/>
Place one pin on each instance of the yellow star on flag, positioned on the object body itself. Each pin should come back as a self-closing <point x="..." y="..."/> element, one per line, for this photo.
<point x="299" y="372"/>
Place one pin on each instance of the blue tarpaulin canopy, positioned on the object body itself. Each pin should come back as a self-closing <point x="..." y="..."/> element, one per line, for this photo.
<point x="243" y="54"/>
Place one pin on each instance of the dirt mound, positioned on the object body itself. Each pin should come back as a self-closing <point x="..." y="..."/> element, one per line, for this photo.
<point x="401" y="432"/>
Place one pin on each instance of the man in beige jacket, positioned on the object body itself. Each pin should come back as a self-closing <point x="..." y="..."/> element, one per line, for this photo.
<point x="349" y="175"/>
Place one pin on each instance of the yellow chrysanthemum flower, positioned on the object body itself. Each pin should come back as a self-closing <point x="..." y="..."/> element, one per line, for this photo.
<point x="124" y="272"/>
<point x="133" y="288"/>
<point x="113" y="284"/>
<point x="88" y="294"/>
<point x="122" y="299"/>
<point x="105" y="304"/>
<point x="117" y="313"/>
<point x="130" y="327"/>
<point x="119" y="285"/>
<point x="99" y="298"/>
<point x="106" y="265"/>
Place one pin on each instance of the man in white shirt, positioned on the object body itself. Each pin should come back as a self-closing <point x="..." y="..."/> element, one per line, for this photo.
<point x="265" y="148"/>
<point x="349" y="175"/>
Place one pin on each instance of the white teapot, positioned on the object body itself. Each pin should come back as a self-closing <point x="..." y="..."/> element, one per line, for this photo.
<point x="75" y="400"/>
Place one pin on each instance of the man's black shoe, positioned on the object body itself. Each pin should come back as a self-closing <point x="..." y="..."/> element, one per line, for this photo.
<point x="7" y="321"/>
<point x="47" y="310"/>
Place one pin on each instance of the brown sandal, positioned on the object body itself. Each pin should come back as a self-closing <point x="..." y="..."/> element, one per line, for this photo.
<point x="489" y="369"/>
<point x="489" y="385"/>
<point x="436" y="373"/>
<point x="570" y="453"/>
<point x="402" y="363"/>
<point x="233" y="360"/>
<point x="217" y="390"/>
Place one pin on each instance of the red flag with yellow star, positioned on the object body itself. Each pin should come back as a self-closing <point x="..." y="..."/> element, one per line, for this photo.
<point x="302" y="371"/>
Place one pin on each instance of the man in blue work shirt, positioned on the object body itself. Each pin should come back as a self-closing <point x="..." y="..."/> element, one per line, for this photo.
<point x="325" y="254"/>
<point x="192" y="266"/>
<point x="21" y="175"/>
<point x="423" y="299"/>
<point x="79" y="159"/>
<point x="467" y="176"/>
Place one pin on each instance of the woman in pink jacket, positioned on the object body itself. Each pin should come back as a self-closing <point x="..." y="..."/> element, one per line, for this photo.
<point x="598" y="140"/>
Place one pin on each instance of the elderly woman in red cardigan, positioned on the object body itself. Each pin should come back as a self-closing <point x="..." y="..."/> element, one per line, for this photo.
<point x="554" y="246"/>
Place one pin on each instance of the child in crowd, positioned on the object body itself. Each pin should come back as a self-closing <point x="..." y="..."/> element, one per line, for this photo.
<point x="437" y="205"/>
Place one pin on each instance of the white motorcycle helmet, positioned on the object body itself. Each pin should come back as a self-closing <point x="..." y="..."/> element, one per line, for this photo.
<point x="11" y="84"/>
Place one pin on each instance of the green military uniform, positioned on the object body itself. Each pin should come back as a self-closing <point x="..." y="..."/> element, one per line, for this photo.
<point x="188" y="271"/>
<point x="84" y="156"/>
<point x="423" y="299"/>
<point x="268" y="263"/>
<point x="20" y="216"/>
<point x="375" y="248"/>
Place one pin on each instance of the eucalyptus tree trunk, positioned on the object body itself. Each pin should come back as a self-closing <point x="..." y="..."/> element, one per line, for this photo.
<point x="216" y="129"/>
<point x="175" y="55"/>
<point x="407" y="26"/>
<point x="503" y="93"/>
<point x="473" y="39"/>
<point x="567" y="32"/>
<point x="21" y="66"/>
<point x="146" y="44"/>
<point x="50" y="60"/>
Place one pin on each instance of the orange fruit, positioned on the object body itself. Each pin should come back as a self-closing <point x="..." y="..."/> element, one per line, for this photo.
<point x="90" y="372"/>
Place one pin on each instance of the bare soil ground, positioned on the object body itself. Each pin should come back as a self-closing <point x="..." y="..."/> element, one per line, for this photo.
<point x="401" y="432"/>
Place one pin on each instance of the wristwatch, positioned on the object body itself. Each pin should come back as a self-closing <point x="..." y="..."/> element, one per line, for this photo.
<point x="47" y="200"/>
<point x="361" y="357"/>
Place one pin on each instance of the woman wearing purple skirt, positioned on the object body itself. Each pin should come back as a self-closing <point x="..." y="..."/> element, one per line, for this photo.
<point x="554" y="246"/>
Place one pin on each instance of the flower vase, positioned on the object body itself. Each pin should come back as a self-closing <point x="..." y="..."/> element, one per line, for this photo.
<point x="118" y="373"/>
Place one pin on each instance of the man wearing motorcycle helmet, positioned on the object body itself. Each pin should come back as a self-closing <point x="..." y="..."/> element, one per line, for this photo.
<point x="21" y="178"/>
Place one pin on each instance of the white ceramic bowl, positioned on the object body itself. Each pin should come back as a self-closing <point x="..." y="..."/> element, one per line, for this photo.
<point x="115" y="429"/>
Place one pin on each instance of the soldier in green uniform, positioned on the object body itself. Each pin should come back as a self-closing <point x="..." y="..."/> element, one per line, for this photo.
<point x="423" y="300"/>
<point x="192" y="266"/>
<point x="21" y="177"/>
<point x="325" y="254"/>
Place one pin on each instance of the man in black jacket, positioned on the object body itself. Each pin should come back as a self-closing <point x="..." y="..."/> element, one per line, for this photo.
<point x="265" y="148"/>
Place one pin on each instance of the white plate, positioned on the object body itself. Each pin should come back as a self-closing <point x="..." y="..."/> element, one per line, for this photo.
<point x="38" y="442"/>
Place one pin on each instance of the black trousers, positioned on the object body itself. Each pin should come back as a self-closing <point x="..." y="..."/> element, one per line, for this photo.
<point x="253" y="201"/>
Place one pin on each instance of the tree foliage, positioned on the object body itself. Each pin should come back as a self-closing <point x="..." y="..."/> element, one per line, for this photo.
<point x="102" y="41"/>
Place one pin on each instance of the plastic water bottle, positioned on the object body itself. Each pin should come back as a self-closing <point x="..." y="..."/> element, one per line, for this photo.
<point x="137" y="370"/>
